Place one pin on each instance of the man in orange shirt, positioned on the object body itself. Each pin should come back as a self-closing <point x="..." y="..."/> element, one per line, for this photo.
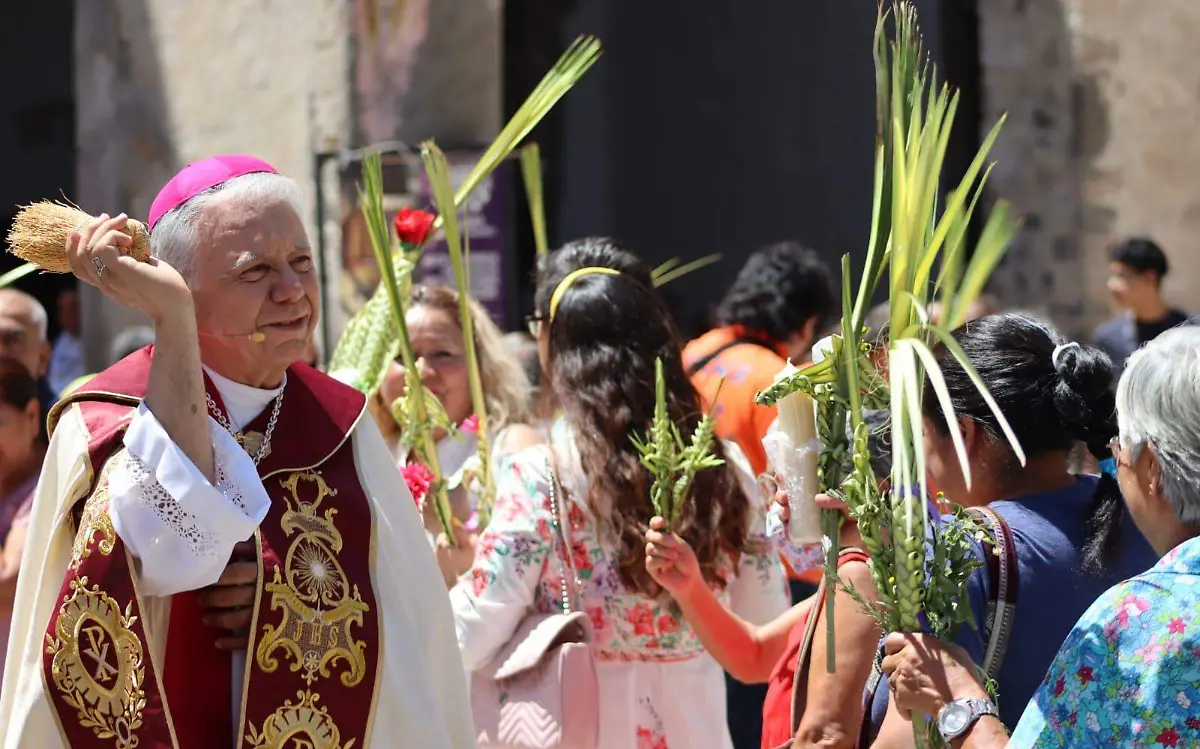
<point x="775" y="311"/>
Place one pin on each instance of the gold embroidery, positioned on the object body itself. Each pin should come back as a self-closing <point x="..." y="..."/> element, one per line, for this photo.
<point x="97" y="665"/>
<point x="299" y="725"/>
<point x="319" y="605"/>
<point x="94" y="519"/>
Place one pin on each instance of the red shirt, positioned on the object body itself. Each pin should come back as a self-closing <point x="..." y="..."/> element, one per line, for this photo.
<point x="777" y="706"/>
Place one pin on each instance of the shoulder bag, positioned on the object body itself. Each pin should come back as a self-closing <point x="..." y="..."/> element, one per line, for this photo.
<point x="545" y="672"/>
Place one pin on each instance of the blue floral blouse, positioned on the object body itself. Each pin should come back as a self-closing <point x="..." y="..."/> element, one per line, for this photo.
<point x="1129" y="672"/>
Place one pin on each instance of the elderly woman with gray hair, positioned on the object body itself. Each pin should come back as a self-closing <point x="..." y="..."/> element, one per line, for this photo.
<point x="1129" y="672"/>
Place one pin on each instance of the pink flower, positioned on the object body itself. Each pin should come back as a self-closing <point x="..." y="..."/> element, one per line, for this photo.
<point x="470" y="425"/>
<point x="419" y="479"/>
<point x="478" y="582"/>
<point x="1150" y="652"/>
<point x="1131" y="605"/>
<point x="472" y="524"/>
<point x="1176" y="626"/>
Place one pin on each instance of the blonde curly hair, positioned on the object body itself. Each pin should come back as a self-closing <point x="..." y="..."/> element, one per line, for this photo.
<point x="505" y="386"/>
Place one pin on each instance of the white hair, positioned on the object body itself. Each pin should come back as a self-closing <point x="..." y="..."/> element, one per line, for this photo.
<point x="37" y="313"/>
<point x="175" y="236"/>
<point x="1158" y="404"/>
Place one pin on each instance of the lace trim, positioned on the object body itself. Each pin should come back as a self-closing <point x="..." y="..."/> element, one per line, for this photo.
<point x="228" y="487"/>
<point x="201" y="542"/>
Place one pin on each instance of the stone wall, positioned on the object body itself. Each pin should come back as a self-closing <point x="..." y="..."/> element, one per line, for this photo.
<point x="160" y="83"/>
<point x="1102" y="103"/>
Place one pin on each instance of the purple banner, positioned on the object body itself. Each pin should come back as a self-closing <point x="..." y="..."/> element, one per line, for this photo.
<point x="482" y="224"/>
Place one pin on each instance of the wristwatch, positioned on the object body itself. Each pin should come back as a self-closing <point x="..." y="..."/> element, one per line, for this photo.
<point x="957" y="717"/>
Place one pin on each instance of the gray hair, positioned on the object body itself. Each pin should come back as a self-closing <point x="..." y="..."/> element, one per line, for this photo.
<point x="1158" y="404"/>
<point x="37" y="313"/>
<point x="176" y="234"/>
<point x="129" y="340"/>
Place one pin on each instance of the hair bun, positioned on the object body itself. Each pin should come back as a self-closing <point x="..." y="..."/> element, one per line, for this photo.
<point x="1083" y="392"/>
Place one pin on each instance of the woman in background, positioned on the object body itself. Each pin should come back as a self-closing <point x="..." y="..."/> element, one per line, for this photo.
<point x="600" y="331"/>
<point x="438" y="344"/>
<point x="1072" y="536"/>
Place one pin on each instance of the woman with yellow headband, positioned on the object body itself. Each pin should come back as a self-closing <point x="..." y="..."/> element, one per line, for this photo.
<point x="600" y="327"/>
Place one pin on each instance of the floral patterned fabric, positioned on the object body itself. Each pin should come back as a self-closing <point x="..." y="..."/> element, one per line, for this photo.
<point x="1129" y="672"/>
<point x="658" y="687"/>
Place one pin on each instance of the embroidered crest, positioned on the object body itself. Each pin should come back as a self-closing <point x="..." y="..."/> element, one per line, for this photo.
<point x="298" y="724"/>
<point x="97" y="663"/>
<point x="318" y="603"/>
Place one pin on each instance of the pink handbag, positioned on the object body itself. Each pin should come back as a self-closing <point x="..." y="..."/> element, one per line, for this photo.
<point x="544" y="673"/>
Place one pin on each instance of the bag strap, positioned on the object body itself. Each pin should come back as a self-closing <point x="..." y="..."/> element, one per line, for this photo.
<point x="561" y="524"/>
<point x="1000" y="553"/>
<point x="707" y="359"/>
<point x="803" y="659"/>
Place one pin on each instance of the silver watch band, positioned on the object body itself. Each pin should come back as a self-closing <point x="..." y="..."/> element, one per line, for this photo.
<point x="959" y="716"/>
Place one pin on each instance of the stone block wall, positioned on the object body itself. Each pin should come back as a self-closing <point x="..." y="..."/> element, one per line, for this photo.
<point x="1102" y="99"/>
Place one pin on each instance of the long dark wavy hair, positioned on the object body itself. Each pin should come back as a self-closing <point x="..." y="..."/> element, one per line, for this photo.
<point x="603" y="342"/>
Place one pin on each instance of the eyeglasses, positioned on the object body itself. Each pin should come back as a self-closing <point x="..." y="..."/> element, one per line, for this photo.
<point x="534" y="323"/>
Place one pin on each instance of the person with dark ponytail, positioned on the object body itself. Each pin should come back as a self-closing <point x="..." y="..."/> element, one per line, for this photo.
<point x="1071" y="536"/>
<point x="600" y="328"/>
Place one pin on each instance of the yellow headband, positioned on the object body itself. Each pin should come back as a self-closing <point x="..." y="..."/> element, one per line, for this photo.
<point x="572" y="277"/>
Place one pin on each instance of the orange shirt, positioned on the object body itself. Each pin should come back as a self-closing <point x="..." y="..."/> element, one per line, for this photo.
<point x="747" y="369"/>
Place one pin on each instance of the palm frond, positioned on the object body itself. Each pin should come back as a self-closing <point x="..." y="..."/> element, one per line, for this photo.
<point x="438" y="171"/>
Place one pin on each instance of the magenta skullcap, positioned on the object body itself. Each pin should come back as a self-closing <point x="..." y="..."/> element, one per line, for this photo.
<point x="203" y="175"/>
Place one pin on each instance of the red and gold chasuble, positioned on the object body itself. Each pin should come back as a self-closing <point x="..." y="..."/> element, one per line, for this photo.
<point x="311" y="673"/>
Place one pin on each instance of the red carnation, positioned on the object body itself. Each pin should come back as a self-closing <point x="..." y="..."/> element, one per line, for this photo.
<point x="419" y="479"/>
<point x="413" y="226"/>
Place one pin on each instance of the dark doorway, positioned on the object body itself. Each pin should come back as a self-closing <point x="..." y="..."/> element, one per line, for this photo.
<point x="37" y="122"/>
<point x="707" y="128"/>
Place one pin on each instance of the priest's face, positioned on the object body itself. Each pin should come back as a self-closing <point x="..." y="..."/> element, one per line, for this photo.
<point x="255" y="289"/>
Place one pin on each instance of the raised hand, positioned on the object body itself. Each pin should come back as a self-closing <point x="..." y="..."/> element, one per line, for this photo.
<point x="99" y="255"/>
<point x="671" y="561"/>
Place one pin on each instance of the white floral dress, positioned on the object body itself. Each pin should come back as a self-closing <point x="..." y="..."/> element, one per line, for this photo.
<point x="659" y="689"/>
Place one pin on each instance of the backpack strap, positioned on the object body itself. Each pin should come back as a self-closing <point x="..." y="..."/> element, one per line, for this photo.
<point x="1000" y="553"/>
<point x="707" y="359"/>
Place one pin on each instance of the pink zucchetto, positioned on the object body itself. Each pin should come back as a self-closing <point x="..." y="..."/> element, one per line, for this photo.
<point x="202" y="175"/>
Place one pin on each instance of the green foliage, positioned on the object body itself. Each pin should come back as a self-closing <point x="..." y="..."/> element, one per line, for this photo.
<point x="673" y="462"/>
<point x="438" y="171"/>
